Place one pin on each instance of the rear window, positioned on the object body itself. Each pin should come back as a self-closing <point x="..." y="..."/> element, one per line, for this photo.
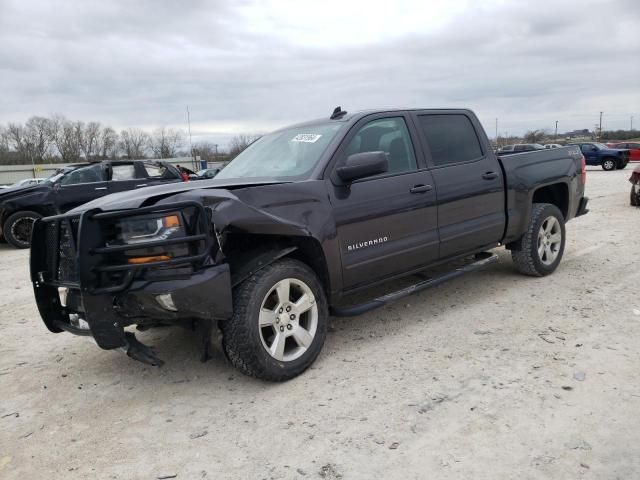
<point x="157" y="170"/>
<point x="123" y="172"/>
<point x="451" y="138"/>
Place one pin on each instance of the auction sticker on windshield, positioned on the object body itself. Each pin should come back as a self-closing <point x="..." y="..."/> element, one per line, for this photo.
<point x="306" y="137"/>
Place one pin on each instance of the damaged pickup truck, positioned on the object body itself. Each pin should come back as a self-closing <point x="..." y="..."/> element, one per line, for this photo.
<point x="305" y="216"/>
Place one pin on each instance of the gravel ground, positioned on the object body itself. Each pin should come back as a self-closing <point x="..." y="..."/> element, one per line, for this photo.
<point x="492" y="376"/>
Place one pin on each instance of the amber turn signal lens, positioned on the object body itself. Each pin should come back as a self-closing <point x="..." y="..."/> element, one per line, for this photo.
<point x="171" y="221"/>
<point x="156" y="258"/>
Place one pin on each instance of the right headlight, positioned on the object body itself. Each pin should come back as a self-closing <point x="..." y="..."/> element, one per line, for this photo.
<point x="149" y="229"/>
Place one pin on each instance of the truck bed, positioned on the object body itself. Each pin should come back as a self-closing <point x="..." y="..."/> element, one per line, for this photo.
<point x="528" y="171"/>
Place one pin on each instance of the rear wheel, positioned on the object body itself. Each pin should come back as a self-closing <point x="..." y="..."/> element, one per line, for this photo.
<point x="608" y="164"/>
<point x="542" y="245"/>
<point x="279" y="322"/>
<point x="17" y="228"/>
<point x="635" y="197"/>
<point x="621" y="165"/>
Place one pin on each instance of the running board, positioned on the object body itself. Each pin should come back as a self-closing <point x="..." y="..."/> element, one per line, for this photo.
<point x="482" y="259"/>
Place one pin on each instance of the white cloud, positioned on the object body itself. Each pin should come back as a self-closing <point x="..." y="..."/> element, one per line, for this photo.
<point x="255" y="66"/>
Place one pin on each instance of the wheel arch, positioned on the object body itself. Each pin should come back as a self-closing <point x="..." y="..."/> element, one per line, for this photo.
<point x="9" y="210"/>
<point x="249" y="253"/>
<point x="556" y="194"/>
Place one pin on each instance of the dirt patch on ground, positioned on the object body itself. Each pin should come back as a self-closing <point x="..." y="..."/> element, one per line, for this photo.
<point x="492" y="376"/>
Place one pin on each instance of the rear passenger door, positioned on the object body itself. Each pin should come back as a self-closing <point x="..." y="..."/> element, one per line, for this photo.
<point x="124" y="177"/>
<point x="386" y="224"/>
<point x="468" y="179"/>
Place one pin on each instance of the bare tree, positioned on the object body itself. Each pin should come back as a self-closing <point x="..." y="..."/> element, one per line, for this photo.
<point x="206" y="150"/>
<point x="108" y="143"/>
<point x="66" y="137"/>
<point x="165" y="142"/>
<point x="534" y="136"/>
<point x="133" y="142"/>
<point x="90" y="139"/>
<point x="4" y="140"/>
<point x="240" y="142"/>
<point x="37" y="130"/>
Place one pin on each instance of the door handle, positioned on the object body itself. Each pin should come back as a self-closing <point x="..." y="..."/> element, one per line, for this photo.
<point x="421" y="189"/>
<point x="490" y="175"/>
<point x="141" y="185"/>
<point x="101" y="188"/>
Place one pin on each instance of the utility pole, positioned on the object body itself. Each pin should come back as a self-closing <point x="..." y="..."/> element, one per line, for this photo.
<point x="600" y="128"/>
<point x="631" y="127"/>
<point x="216" y="154"/>
<point x="497" y="132"/>
<point x="191" y="144"/>
<point x="555" y="136"/>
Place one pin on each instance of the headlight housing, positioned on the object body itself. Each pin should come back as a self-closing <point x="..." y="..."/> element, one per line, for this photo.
<point x="142" y="234"/>
<point x="149" y="229"/>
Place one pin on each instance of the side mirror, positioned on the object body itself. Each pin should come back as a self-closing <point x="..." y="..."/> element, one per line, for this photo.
<point x="362" y="165"/>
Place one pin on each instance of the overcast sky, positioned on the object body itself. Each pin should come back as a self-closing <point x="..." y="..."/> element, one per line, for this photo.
<point x="255" y="66"/>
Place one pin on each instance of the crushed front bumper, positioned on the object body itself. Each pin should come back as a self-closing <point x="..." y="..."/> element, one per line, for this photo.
<point x="80" y="289"/>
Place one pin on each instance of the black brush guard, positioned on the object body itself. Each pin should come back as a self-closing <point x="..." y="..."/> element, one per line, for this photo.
<point x="70" y="253"/>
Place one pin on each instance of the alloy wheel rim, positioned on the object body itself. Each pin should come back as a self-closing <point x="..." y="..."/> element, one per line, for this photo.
<point x="288" y="320"/>
<point x="608" y="164"/>
<point x="549" y="240"/>
<point x="21" y="229"/>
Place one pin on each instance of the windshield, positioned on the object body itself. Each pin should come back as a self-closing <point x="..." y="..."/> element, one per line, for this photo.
<point x="287" y="153"/>
<point x="55" y="177"/>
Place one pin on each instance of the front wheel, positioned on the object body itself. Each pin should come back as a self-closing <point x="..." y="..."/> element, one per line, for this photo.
<point x="279" y="322"/>
<point x="542" y="245"/>
<point x="608" y="164"/>
<point x="17" y="228"/>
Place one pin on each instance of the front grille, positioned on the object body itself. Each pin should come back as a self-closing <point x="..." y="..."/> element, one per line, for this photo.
<point x="105" y="267"/>
<point x="60" y="250"/>
<point x="67" y="264"/>
<point x="51" y="245"/>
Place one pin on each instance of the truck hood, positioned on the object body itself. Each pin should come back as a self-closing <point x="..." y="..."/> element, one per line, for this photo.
<point x="151" y="195"/>
<point x="13" y="192"/>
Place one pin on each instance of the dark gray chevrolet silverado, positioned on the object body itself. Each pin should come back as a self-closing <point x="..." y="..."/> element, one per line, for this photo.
<point x="305" y="216"/>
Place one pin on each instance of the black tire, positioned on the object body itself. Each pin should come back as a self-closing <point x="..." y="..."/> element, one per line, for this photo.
<point x="17" y="228"/>
<point x="527" y="258"/>
<point x="609" y="164"/>
<point x="242" y="337"/>
<point x="635" y="198"/>
<point x="621" y="166"/>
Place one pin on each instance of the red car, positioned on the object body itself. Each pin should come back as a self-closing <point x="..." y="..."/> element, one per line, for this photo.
<point x="633" y="147"/>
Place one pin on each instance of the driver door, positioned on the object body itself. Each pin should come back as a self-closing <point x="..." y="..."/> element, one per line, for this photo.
<point x="590" y="153"/>
<point x="386" y="224"/>
<point x="81" y="186"/>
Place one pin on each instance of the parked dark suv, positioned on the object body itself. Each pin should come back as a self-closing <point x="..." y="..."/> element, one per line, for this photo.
<point x="73" y="186"/>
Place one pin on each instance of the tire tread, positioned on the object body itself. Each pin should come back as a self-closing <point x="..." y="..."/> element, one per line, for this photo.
<point x="523" y="258"/>
<point x="236" y="331"/>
